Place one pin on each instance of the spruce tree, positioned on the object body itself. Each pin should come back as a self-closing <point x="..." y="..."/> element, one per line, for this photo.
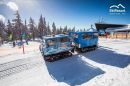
<point x="65" y="30"/>
<point x="61" y="30"/>
<point x="53" y="29"/>
<point x="73" y="29"/>
<point x="32" y="30"/>
<point x="17" y="22"/>
<point x="2" y="32"/>
<point x="10" y="31"/>
<point x="44" y="27"/>
<point x="48" y="29"/>
<point x="41" y="27"/>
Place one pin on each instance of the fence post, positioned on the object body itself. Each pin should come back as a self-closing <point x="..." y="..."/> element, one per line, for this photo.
<point x="23" y="49"/>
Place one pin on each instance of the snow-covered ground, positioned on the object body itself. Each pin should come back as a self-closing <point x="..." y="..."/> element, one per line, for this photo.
<point x="109" y="65"/>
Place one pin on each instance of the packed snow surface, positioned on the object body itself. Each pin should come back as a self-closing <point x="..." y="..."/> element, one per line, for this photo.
<point x="109" y="65"/>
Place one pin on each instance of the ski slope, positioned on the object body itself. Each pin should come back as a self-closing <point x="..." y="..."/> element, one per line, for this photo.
<point x="109" y="65"/>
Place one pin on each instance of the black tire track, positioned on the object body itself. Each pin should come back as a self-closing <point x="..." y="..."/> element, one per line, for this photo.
<point x="17" y="66"/>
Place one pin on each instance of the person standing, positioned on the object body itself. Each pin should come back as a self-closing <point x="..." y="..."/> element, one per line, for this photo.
<point x="14" y="44"/>
<point x="0" y="41"/>
<point x="27" y="41"/>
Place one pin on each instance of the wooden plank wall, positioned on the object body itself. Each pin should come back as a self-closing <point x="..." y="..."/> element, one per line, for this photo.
<point x="118" y="35"/>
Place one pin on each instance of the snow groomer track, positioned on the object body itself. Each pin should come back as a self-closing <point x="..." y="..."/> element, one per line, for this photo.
<point x="13" y="67"/>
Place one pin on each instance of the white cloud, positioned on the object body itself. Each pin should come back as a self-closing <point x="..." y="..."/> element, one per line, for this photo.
<point x="13" y="6"/>
<point x="2" y="18"/>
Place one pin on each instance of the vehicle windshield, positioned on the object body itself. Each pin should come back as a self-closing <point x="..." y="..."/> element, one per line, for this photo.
<point x="51" y="42"/>
<point x="87" y="36"/>
<point x="65" y="39"/>
<point x="74" y="35"/>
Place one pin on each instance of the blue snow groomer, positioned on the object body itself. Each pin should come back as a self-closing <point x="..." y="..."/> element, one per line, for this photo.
<point x="56" y="47"/>
<point x="84" y="41"/>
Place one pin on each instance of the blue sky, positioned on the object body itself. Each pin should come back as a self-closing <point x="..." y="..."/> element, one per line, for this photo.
<point x="78" y="13"/>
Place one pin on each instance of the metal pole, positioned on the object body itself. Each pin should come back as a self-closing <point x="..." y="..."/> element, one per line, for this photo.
<point x="23" y="49"/>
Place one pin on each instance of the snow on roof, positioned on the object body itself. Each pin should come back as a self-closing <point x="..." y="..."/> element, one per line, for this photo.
<point x="55" y="36"/>
<point x="118" y="29"/>
<point x="84" y="32"/>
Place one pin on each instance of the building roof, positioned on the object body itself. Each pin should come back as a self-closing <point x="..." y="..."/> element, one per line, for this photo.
<point x="118" y="30"/>
<point x="104" y="26"/>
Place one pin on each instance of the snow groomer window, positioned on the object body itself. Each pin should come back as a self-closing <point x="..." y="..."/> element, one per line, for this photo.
<point x="86" y="36"/>
<point x="51" y="42"/>
<point x="95" y="35"/>
<point x="65" y="39"/>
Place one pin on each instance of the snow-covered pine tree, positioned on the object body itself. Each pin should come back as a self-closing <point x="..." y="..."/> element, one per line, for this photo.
<point x="44" y="27"/>
<point x="25" y="29"/>
<point x="41" y="26"/>
<point x="81" y="30"/>
<point x="32" y="28"/>
<point x="53" y="29"/>
<point x="73" y="29"/>
<point x="61" y="30"/>
<point x="17" y="23"/>
<point x="2" y="32"/>
<point x="58" y="31"/>
<point x="84" y="30"/>
<point x="65" y="29"/>
<point x="69" y="30"/>
<point x="10" y="31"/>
<point x="48" y="29"/>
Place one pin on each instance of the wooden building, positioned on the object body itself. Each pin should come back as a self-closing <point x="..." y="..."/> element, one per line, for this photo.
<point x="113" y="30"/>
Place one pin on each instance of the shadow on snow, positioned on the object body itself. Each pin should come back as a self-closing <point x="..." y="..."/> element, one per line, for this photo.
<point x="73" y="70"/>
<point x="104" y="55"/>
